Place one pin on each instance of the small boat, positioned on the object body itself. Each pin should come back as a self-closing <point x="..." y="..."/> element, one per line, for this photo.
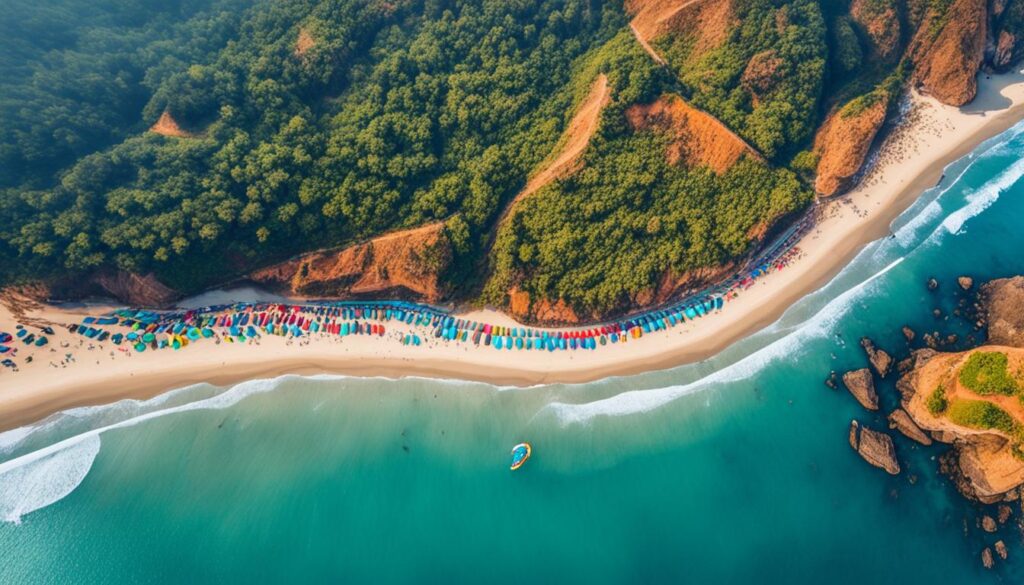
<point x="520" y="453"/>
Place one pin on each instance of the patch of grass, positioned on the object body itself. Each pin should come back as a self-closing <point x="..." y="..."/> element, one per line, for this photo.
<point x="986" y="373"/>
<point x="979" y="414"/>
<point x="937" y="403"/>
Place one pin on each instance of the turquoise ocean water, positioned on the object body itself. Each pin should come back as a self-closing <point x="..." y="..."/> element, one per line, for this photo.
<point x="735" y="470"/>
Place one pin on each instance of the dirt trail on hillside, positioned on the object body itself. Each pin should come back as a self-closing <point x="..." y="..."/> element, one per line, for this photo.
<point x="650" y="17"/>
<point x="575" y="140"/>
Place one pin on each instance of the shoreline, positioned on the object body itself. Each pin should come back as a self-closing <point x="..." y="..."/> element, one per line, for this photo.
<point x="911" y="160"/>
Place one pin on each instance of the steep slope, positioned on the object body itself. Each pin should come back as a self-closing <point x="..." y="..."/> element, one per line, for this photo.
<point x="407" y="263"/>
<point x="696" y="138"/>
<point x="843" y="142"/>
<point x="948" y="48"/>
<point x="573" y="142"/>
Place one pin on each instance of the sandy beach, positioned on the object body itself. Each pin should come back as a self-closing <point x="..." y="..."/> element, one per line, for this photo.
<point x="911" y="160"/>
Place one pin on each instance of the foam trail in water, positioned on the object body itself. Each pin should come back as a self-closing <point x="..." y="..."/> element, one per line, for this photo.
<point x="47" y="475"/>
<point x="46" y="479"/>
<point x="637" y="401"/>
<point x="983" y="198"/>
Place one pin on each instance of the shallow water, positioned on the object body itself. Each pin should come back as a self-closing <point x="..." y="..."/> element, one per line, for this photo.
<point x="733" y="470"/>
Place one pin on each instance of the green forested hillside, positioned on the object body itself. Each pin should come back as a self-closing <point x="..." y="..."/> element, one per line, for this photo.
<point x="308" y="124"/>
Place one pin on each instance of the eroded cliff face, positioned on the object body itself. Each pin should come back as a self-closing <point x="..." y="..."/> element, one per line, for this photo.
<point x="407" y="264"/>
<point x="947" y="51"/>
<point x="697" y="137"/>
<point x="136" y="290"/>
<point x="842" y="145"/>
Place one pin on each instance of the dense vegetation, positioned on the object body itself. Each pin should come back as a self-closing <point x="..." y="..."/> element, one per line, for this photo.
<point x="75" y="75"/>
<point x="937" y="403"/>
<point x="765" y="80"/>
<point x="986" y="373"/>
<point x="979" y="414"/>
<point x="401" y="113"/>
<point x="611" y="231"/>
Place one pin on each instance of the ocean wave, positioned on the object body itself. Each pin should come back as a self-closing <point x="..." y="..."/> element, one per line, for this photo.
<point x="788" y="346"/>
<point x="46" y="479"/>
<point x="42" y="477"/>
<point x="982" y="198"/>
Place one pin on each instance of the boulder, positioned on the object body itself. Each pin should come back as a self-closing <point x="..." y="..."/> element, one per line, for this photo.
<point x="1004" y="513"/>
<point x="988" y="523"/>
<point x="862" y="386"/>
<point x="933" y="284"/>
<point x="965" y="282"/>
<point x="986" y="558"/>
<point x="900" y="420"/>
<point x="831" y="380"/>
<point x="874" y="447"/>
<point x="908" y="333"/>
<point x="1000" y="547"/>
<point x="881" y="360"/>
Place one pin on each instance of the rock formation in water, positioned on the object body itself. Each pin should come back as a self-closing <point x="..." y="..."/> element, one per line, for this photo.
<point x="879" y="358"/>
<point x="874" y="447"/>
<point x="984" y="427"/>
<point x="862" y="386"/>
<point x="902" y="422"/>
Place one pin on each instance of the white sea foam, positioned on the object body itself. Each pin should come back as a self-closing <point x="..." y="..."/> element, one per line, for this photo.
<point x="638" y="401"/>
<point x="42" y="477"/>
<point x="983" y="198"/>
<point x="46" y="479"/>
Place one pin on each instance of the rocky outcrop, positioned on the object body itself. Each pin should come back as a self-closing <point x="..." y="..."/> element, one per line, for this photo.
<point x="986" y="558"/>
<point x="1003" y="305"/>
<point x="862" y="386"/>
<point x="982" y="463"/>
<point x="879" y="23"/>
<point x="988" y="523"/>
<point x="1005" y="51"/>
<point x="407" y="263"/>
<point x="880" y="360"/>
<point x="902" y="422"/>
<point x="947" y="51"/>
<point x="965" y="282"/>
<point x="874" y="447"/>
<point x="843" y="142"/>
<point x="545" y="311"/>
<point x="136" y="290"/>
<point x="697" y="137"/>
<point x="126" y="287"/>
<point x="555" y="313"/>
<point x="1000" y="547"/>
